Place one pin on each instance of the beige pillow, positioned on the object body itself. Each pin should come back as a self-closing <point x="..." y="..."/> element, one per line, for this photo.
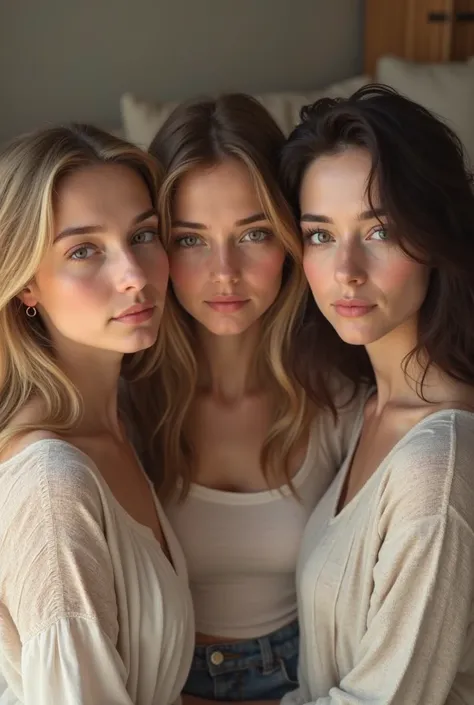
<point x="141" y="120"/>
<point x="446" y="89"/>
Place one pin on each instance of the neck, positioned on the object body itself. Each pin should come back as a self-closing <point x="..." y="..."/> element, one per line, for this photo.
<point x="95" y="374"/>
<point x="228" y="364"/>
<point x="400" y="383"/>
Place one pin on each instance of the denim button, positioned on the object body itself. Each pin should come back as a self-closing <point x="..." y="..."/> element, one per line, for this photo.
<point x="217" y="658"/>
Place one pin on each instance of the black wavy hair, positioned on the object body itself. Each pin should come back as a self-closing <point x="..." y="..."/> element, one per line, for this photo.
<point x="426" y="189"/>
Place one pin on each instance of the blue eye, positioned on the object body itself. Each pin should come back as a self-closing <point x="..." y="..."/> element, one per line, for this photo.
<point x="188" y="241"/>
<point x="256" y="236"/>
<point x="144" y="237"/>
<point x="82" y="253"/>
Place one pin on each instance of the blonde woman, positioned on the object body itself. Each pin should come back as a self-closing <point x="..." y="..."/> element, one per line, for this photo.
<point x="94" y="604"/>
<point x="236" y="426"/>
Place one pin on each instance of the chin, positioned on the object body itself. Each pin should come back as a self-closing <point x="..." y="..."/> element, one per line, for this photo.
<point x="226" y="326"/>
<point x="352" y="335"/>
<point x="140" y="341"/>
<point x="227" y="329"/>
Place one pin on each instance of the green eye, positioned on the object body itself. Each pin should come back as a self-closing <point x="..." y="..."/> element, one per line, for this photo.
<point x="379" y="234"/>
<point x="319" y="237"/>
<point x="144" y="237"/>
<point x="188" y="241"/>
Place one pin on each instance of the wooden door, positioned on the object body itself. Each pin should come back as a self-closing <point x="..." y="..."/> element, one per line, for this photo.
<point x="463" y="30"/>
<point x="418" y="30"/>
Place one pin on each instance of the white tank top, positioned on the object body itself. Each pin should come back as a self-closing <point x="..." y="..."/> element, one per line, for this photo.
<point x="242" y="548"/>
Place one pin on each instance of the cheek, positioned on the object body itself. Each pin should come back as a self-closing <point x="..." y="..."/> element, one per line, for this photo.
<point x="73" y="289"/>
<point x="406" y="278"/>
<point x="319" y="277"/>
<point x="187" y="273"/>
<point x="157" y="270"/>
<point x="265" y="267"/>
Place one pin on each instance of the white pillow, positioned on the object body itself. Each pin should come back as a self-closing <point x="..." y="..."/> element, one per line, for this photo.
<point x="447" y="89"/>
<point x="142" y="120"/>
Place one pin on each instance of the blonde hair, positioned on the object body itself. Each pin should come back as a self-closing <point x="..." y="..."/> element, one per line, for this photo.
<point x="203" y="133"/>
<point x="30" y="169"/>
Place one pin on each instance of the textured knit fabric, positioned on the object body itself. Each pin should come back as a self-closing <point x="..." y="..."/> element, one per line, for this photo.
<point x="386" y="586"/>
<point x="91" y="610"/>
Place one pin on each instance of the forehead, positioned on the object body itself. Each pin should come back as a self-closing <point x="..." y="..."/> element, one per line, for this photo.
<point x="337" y="183"/>
<point x="208" y="193"/>
<point x="98" y="194"/>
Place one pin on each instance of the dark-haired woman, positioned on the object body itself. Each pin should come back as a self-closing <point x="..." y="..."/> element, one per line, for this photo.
<point x="386" y="571"/>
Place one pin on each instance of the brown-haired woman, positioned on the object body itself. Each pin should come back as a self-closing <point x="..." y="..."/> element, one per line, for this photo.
<point x="386" y="572"/>
<point x="94" y="601"/>
<point x="235" y="423"/>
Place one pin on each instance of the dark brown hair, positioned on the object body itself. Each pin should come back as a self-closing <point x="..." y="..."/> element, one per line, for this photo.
<point x="426" y="190"/>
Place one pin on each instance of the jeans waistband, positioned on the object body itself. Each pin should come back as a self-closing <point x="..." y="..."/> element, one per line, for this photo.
<point x="260" y="652"/>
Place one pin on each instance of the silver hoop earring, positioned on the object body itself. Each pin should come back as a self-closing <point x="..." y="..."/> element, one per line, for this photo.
<point x="31" y="311"/>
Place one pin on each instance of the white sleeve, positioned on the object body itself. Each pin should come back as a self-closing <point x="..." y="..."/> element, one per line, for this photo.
<point x="421" y="611"/>
<point x="73" y="662"/>
<point x="60" y="628"/>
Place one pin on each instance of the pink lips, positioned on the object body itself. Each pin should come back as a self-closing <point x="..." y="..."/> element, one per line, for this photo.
<point x="139" y="313"/>
<point x="227" y="304"/>
<point x="353" y="308"/>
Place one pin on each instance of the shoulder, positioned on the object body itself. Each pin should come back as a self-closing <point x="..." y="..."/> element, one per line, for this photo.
<point x="442" y="441"/>
<point x="46" y="475"/>
<point x="429" y="473"/>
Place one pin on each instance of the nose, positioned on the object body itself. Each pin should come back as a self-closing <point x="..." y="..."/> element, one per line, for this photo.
<point x="128" y="274"/>
<point x="225" y="266"/>
<point x="350" y="265"/>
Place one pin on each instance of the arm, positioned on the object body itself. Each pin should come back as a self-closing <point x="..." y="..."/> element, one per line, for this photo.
<point x="57" y="586"/>
<point x="420" y="609"/>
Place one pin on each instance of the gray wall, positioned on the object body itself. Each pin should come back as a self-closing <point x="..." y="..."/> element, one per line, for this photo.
<point x="72" y="59"/>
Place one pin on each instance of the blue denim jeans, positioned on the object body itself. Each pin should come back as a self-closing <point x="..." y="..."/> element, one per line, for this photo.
<point x="255" y="669"/>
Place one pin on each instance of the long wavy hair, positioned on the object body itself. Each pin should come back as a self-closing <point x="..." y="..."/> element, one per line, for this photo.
<point x="426" y="189"/>
<point x="205" y="133"/>
<point x="31" y="167"/>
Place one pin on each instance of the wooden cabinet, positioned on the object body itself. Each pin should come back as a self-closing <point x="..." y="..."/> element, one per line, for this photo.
<point x="419" y="30"/>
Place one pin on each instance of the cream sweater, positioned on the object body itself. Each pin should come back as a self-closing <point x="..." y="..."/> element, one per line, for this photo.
<point x="91" y="610"/>
<point x="386" y="587"/>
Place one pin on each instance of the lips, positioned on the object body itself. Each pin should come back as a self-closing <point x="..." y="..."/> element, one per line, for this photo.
<point x="227" y="304"/>
<point x="137" y="313"/>
<point x="353" y="308"/>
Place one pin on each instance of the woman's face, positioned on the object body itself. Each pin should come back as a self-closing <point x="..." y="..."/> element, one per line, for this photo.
<point x="225" y="259"/>
<point x="363" y="283"/>
<point x="103" y="282"/>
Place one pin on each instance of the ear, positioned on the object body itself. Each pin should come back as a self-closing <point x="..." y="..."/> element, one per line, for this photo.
<point x="28" y="296"/>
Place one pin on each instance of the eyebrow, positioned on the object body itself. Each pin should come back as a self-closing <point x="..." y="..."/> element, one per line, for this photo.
<point x="365" y="215"/>
<point x="257" y="217"/>
<point x="91" y="229"/>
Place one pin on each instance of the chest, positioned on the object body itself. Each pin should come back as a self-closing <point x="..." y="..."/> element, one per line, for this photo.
<point x="377" y="438"/>
<point x="228" y="441"/>
<point x="125" y="479"/>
